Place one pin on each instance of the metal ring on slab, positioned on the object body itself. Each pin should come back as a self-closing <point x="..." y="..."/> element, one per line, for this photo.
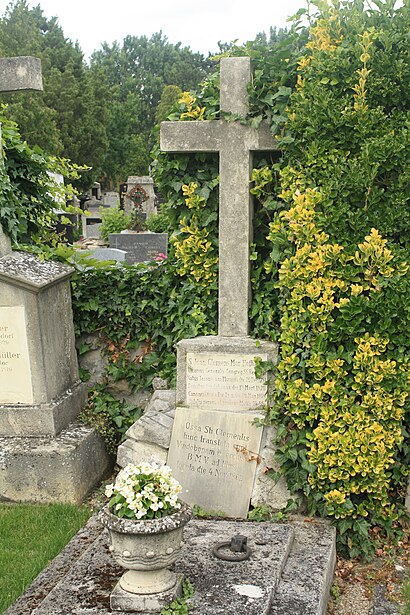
<point x="232" y="556"/>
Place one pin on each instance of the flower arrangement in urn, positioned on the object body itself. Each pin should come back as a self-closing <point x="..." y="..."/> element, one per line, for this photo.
<point x="144" y="491"/>
<point x="145" y="520"/>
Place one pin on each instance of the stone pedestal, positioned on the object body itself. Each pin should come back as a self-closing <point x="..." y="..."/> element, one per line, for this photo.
<point x="121" y="600"/>
<point x="41" y="393"/>
<point x="40" y="390"/>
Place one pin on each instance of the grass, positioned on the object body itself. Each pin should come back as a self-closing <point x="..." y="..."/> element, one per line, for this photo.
<point x="31" y="535"/>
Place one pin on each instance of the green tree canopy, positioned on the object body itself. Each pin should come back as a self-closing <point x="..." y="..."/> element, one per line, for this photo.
<point x="137" y="73"/>
<point x="69" y="117"/>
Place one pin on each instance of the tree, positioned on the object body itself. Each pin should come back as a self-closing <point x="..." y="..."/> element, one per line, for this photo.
<point x="170" y="95"/>
<point x="136" y="74"/>
<point x="69" y="117"/>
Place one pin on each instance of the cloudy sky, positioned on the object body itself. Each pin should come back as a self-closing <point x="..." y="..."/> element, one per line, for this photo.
<point x="199" y="24"/>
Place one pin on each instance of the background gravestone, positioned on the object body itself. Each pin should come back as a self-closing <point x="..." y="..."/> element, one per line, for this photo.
<point x="145" y="185"/>
<point x="139" y="247"/>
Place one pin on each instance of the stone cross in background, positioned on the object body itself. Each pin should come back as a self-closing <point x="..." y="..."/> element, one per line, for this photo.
<point x="235" y="143"/>
<point x="20" y="74"/>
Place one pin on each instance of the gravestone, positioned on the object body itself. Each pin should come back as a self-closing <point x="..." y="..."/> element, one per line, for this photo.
<point x="96" y="191"/>
<point x="140" y="247"/>
<point x="110" y="199"/>
<point x="140" y="189"/>
<point x="92" y="220"/>
<point x="45" y="455"/>
<point x="215" y="444"/>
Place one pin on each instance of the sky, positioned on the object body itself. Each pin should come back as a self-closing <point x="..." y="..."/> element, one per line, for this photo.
<point x="199" y="24"/>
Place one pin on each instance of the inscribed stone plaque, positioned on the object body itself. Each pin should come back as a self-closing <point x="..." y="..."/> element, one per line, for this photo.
<point x="225" y="381"/>
<point x="213" y="455"/>
<point x="15" y="374"/>
<point x="140" y="247"/>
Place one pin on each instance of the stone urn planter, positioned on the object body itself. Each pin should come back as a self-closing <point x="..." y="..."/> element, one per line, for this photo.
<point x="146" y="549"/>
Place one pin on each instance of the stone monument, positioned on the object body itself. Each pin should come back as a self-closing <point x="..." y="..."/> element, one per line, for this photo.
<point x="46" y="456"/>
<point x="215" y="444"/>
<point x="140" y="190"/>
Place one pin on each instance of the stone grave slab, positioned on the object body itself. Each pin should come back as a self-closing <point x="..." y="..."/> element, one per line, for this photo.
<point x="242" y="587"/>
<point x="290" y="572"/>
<point x="140" y="247"/>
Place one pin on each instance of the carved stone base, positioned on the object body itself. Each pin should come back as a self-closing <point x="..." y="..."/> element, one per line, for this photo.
<point x="121" y="600"/>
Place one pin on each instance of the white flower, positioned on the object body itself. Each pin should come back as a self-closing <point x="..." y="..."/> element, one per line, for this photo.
<point x="145" y="487"/>
<point x="109" y="490"/>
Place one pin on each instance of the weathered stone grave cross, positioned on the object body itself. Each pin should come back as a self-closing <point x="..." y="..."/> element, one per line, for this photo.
<point x="215" y="444"/>
<point x="235" y="143"/>
<point x="17" y="74"/>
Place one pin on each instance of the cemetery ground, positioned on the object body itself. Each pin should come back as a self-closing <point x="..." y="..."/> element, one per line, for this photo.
<point x="32" y="535"/>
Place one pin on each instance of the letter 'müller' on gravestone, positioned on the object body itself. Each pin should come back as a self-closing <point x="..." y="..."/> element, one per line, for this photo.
<point x="215" y="443"/>
<point x="45" y="456"/>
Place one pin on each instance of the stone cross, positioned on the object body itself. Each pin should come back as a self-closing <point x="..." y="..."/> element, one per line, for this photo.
<point x="235" y="143"/>
<point x="16" y="75"/>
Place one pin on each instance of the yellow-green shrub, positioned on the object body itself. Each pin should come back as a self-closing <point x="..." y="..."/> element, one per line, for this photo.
<point x="344" y="394"/>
